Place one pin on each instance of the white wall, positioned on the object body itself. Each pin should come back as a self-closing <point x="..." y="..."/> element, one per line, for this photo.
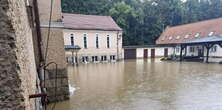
<point x="91" y="49"/>
<point x="214" y="56"/>
<point x="159" y="51"/>
<point x="139" y="52"/>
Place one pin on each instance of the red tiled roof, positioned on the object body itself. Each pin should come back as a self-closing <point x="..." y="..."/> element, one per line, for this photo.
<point x="89" y="22"/>
<point x="203" y="28"/>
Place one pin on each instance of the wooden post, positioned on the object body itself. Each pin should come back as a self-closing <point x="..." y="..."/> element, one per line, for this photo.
<point x="207" y="60"/>
<point x="185" y="50"/>
<point x="181" y="51"/>
<point x="208" y="46"/>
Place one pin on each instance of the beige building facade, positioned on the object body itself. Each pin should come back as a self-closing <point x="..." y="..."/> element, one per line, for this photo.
<point x="97" y="45"/>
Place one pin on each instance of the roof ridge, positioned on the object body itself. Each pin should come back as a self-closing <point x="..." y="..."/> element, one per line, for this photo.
<point x="81" y="21"/>
<point x="86" y="14"/>
<point x="195" y="22"/>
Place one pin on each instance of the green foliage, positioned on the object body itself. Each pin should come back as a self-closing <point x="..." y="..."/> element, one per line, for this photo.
<point x="143" y="21"/>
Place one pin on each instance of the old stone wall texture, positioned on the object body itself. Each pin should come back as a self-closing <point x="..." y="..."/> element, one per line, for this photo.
<point x="17" y="62"/>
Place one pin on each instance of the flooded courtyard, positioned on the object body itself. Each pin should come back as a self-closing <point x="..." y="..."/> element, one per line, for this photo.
<point x="144" y="85"/>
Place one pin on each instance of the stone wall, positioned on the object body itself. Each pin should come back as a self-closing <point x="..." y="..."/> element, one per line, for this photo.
<point x="56" y="51"/>
<point x="17" y="61"/>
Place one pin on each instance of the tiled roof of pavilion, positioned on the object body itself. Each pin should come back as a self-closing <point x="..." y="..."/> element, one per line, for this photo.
<point x="205" y="40"/>
<point x="89" y="22"/>
<point x="188" y="32"/>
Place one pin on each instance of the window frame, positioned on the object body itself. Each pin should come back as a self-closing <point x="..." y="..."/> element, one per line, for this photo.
<point x="72" y="39"/>
<point x="211" y="33"/>
<point x="192" y="49"/>
<point x="85" y="41"/>
<point x="108" y="41"/>
<point x="97" y="41"/>
<point x="197" y="35"/>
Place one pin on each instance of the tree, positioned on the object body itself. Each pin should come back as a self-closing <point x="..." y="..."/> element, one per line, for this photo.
<point x="143" y="21"/>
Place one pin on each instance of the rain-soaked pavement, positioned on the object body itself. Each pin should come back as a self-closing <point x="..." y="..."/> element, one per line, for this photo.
<point x="145" y="85"/>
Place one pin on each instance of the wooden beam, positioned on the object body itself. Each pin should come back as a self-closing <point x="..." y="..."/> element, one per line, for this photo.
<point x="181" y="52"/>
<point x="207" y="60"/>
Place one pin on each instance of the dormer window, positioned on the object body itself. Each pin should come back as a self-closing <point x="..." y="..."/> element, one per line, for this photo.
<point x="197" y="35"/>
<point x="170" y="38"/>
<point x="178" y="37"/>
<point x="163" y="38"/>
<point x="211" y="33"/>
<point x="186" y="36"/>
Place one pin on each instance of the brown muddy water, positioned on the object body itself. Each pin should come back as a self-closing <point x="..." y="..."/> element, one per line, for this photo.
<point x="145" y="85"/>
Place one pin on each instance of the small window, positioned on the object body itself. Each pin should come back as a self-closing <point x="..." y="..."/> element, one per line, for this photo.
<point x="170" y="38"/>
<point x="85" y="41"/>
<point x="178" y="37"/>
<point x="97" y="41"/>
<point x="186" y="36"/>
<point x="85" y="59"/>
<point x="177" y="50"/>
<point x="192" y="49"/>
<point x="94" y="58"/>
<point x="112" y="57"/>
<point x="211" y="33"/>
<point x="214" y="49"/>
<point x="163" y="38"/>
<point x="72" y="39"/>
<point x="108" y="42"/>
<point x="197" y="35"/>
<point x="103" y="58"/>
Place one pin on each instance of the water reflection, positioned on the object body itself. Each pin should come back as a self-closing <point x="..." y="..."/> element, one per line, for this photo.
<point x="145" y="85"/>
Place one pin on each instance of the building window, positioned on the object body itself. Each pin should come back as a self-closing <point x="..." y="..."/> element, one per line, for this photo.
<point x="197" y="35"/>
<point x="103" y="58"/>
<point x="85" y="41"/>
<point x="112" y="57"/>
<point x="177" y="50"/>
<point x="178" y="37"/>
<point x="214" y="49"/>
<point x="192" y="49"/>
<point x="163" y="38"/>
<point x="72" y="39"/>
<point x="211" y="33"/>
<point x="170" y="38"/>
<point x="186" y="36"/>
<point x="85" y="59"/>
<point x="94" y="58"/>
<point x="97" y="41"/>
<point x="108" y="43"/>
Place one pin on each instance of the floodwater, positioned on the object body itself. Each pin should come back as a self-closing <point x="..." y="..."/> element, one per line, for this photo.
<point x="145" y="85"/>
